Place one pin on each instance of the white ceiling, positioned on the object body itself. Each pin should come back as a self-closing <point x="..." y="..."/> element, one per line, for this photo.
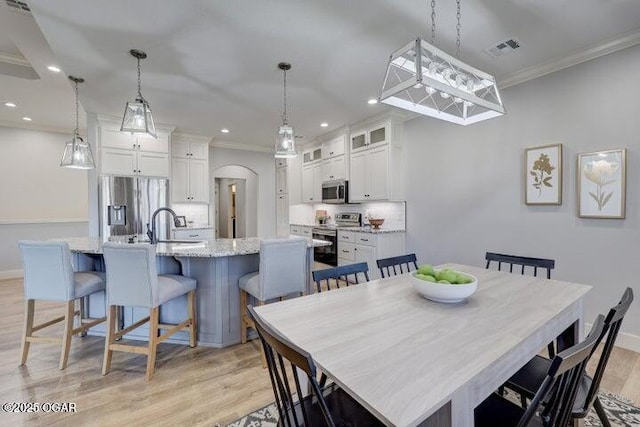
<point x="212" y="63"/>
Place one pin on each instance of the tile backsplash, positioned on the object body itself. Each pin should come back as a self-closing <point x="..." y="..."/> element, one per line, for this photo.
<point x="196" y="214"/>
<point x="392" y="212"/>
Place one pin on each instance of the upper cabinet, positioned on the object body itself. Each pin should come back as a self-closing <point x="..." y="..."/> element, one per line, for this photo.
<point x="189" y="169"/>
<point x="334" y="147"/>
<point x="312" y="183"/>
<point x="311" y="155"/>
<point x="376" y="171"/>
<point x="130" y="155"/>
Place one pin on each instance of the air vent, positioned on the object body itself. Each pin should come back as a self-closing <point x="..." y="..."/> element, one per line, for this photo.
<point x="18" y="5"/>
<point x="503" y="48"/>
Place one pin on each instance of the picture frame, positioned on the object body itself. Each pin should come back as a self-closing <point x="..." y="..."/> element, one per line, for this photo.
<point x="543" y="175"/>
<point x="602" y="184"/>
<point x="182" y="221"/>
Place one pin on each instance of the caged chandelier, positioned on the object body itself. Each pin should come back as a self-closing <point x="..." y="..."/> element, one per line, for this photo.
<point x="285" y="140"/>
<point x="77" y="153"/>
<point x="137" y="114"/>
<point x="424" y="79"/>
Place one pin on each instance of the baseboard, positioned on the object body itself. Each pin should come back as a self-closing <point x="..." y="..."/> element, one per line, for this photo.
<point x="11" y="274"/>
<point x="624" y="340"/>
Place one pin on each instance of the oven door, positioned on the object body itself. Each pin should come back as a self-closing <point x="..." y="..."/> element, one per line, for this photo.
<point x="326" y="254"/>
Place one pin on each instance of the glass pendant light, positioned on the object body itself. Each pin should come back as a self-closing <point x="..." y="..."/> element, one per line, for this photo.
<point x="426" y="80"/>
<point x="77" y="152"/>
<point x="137" y="114"/>
<point x="285" y="140"/>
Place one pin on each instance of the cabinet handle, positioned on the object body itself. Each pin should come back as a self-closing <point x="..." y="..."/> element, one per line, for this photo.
<point x="364" y="240"/>
<point x="346" y="252"/>
<point x="193" y="235"/>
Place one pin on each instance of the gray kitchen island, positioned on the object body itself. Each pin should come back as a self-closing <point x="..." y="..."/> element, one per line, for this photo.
<point x="215" y="264"/>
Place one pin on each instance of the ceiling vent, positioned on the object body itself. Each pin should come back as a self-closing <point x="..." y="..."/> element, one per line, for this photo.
<point x="18" y="5"/>
<point x="503" y="48"/>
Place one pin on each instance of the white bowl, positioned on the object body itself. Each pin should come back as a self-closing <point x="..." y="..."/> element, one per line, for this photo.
<point x="443" y="292"/>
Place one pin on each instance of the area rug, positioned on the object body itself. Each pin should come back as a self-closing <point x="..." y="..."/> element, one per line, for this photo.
<point x="620" y="411"/>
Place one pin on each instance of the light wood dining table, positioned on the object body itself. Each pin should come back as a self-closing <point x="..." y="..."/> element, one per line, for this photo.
<point x="411" y="361"/>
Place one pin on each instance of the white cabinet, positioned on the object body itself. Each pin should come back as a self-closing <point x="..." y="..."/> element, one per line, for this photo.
<point x="334" y="168"/>
<point x="375" y="163"/>
<point x="192" y="233"/>
<point x="282" y="215"/>
<point x="311" y="155"/>
<point x="127" y="154"/>
<point x="312" y="183"/>
<point x="189" y="171"/>
<point x="294" y="178"/>
<point x="281" y="180"/>
<point x="301" y="230"/>
<point x="357" y="246"/>
<point x="190" y="149"/>
<point x="333" y="147"/>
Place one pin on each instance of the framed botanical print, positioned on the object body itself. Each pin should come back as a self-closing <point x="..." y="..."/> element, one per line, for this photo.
<point x="543" y="175"/>
<point x="602" y="184"/>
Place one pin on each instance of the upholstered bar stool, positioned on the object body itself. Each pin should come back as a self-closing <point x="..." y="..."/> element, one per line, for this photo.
<point x="283" y="271"/>
<point x="49" y="275"/>
<point x="132" y="280"/>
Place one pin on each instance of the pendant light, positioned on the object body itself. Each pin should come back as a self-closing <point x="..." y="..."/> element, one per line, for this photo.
<point x="77" y="152"/>
<point x="285" y="140"/>
<point x="424" y="79"/>
<point x="137" y="114"/>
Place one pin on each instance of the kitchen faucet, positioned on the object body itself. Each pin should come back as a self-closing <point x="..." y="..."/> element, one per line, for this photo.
<point x="152" y="232"/>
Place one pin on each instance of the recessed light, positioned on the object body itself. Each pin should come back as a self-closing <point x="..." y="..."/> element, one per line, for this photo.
<point x="53" y="68"/>
<point x="324" y="124"/>
<point x="372" y="101"/>
<point x="224" y="130"/>
<point x="26" y="119"/>
<point x="9" y="104"/>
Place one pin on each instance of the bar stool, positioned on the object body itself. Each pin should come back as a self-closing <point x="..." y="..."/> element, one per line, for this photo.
<point x="282" y="272"/>
<point x="132" y="280"/>
<point x="49" y="275"/>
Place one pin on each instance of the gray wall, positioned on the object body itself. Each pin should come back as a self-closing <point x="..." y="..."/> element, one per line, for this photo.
<point x="465" y="184"/>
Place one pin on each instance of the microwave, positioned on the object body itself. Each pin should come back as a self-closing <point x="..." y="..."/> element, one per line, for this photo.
<point x="335" y="191"/>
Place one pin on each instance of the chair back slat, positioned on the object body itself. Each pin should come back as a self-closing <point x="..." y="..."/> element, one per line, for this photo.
<point x="277" y="348"/>
<point x="340" y="274"/>
<point x="548" y="264"/>
<point x="387" y="265"/>
<point x="612" y="327"/>
<point x="560" y="386"/>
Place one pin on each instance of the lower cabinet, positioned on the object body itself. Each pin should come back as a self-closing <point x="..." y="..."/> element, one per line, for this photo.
<point x="356" y="246"/>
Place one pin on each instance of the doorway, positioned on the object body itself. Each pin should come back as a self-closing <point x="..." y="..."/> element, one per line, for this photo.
<point x="236" y="202"/>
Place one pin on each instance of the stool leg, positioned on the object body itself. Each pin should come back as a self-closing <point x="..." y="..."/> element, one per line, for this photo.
<point x="243" y="317"/>
<point x="28" y="326"/>
<point x="193" y="316"/>
<point x="262" y="355"/>
<point x="111" y="326"/>
<point x="68" y="332"/>
<point x="153" y="341"/>
<point x="82" y="315"/>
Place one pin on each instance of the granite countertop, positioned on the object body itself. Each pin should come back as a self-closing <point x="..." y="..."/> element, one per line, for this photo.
<point x="197" y="227"/>
<point x="206" y="249"/>
<point x="364" y="229"/>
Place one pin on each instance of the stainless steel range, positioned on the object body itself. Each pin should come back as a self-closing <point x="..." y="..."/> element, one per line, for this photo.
<point x="329" y="254"/>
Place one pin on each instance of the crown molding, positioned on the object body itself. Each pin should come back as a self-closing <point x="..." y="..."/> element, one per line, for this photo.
<point x="113" y="122"/>
<point x="15" y="60"/>
<point x="593" y="52"/>
<point x="241" y="146"/>
<point x="184" y="136"/>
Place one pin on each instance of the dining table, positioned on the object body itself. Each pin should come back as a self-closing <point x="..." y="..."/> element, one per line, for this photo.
<point x="411" y="361"/>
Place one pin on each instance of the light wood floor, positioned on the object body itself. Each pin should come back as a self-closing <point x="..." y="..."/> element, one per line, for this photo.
<point x="191" y="387"/>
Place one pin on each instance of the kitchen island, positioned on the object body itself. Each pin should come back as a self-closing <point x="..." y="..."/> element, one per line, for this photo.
<point x="215" y="264"/>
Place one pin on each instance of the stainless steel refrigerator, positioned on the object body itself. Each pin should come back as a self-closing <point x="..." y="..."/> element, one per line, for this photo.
<point x="127" y="203"/>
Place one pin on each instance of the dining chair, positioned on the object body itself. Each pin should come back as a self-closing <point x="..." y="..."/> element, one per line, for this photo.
<point x="326" y="405"/>
<point x="403" y="262"/>
<point x="132" y="280"/>
<point x="521" y="261"/>
<point x="340" y="274"/>
<point x="49" y="276"/>
<point x="553" y="401"/>
<point x="529" y="378"/>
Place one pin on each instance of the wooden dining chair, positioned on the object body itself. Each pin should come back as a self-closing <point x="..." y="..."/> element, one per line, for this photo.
<point x="522" y="261"/>
<point x="397" y="265"/>
<point x="326" y="405"/>
<point x="529" y="378"/>
<point x="347" y="274"/>
<point x="553" y="401"/>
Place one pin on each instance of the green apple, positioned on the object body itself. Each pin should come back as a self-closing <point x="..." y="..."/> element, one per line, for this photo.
<point x="463" y="280"/>
<point x="445" y="282"/>
<point x="448" y="275"/>
<point x="427" y="270"/>
<point x="425" y="277"/>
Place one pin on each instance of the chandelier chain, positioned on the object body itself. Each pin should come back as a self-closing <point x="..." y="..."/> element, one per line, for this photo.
<point x="433" y="21"/>
<point x="284" y="114"/>
<point x="139" y="81"/>
<point x="76" y="131"/>
<point x="458" y="27"/>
